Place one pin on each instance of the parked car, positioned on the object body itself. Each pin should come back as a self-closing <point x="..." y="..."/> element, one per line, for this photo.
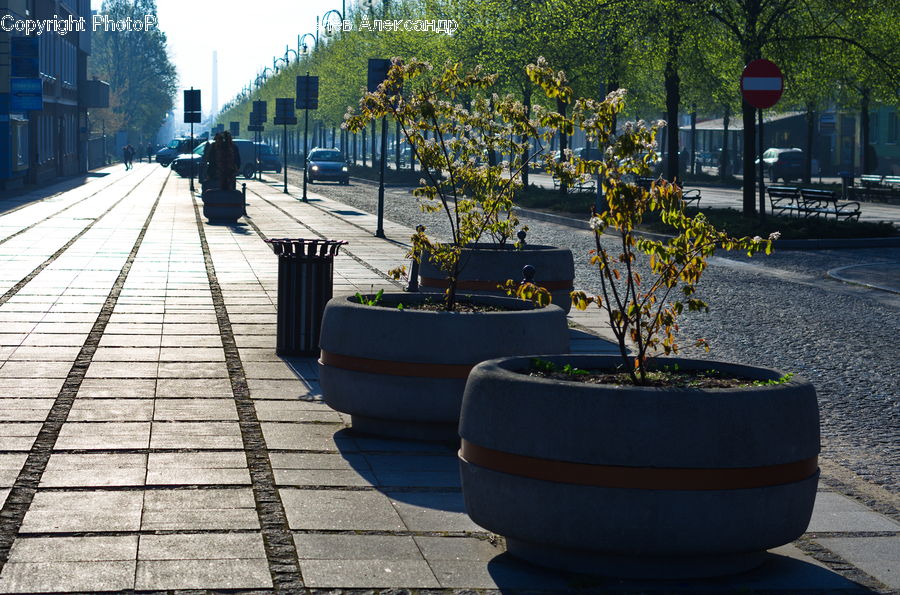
<point x="176" y="147"/>
<point x="783" y="163"/>
<point x="268" y="160"/>
<point x="327" y="164"/>
<point x="181" y="164"/>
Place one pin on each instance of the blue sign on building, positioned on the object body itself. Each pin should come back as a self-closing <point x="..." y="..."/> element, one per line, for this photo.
<point x="26" y="94"/>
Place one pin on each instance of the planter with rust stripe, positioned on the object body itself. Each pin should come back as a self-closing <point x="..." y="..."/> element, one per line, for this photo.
<point x="635" y="481"/>
<point x="485" y="266"/>
<point x="401" y="373"/>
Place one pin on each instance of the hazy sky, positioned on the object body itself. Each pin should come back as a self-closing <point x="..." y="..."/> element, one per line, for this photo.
<point x="247" y="34"/>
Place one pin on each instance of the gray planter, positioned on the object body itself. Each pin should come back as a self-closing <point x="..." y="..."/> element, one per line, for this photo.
<point x="485" y="266"/>
<point x="402" y="373"/>
<point x="638" y="482"/>
<point x="223" y="206"/>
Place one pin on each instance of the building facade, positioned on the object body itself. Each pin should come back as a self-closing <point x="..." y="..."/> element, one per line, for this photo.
<point x="42" y="139"/>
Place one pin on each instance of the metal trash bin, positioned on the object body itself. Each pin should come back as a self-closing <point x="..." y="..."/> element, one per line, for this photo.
<point x="305" y="275"/>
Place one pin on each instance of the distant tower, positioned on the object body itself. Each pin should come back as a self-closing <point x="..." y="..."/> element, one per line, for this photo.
<point x="214" y="108"/>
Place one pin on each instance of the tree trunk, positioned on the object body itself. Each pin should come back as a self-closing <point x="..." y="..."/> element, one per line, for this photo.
<point x="694" y="140"/>
<point x="725" y="156"/>
<point x="563" y="145"/>
<point x="363" y="147"/>
<point x="526" y="154"/>
<point x="864" y="150"/>
<point x="810" y="130"/>
<point x="673" y="100"/>
<point x="397" y="144"/>
<point x="374" y="150"/>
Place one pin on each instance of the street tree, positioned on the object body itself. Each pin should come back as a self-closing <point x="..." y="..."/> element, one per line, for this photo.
<point x="142" y="79"/>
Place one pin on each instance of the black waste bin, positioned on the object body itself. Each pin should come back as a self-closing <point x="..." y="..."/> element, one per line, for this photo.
<point x="305" y="273"/>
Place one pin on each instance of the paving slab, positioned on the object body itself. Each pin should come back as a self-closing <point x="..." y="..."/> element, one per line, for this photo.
<point x="836" y="513"/>
<point x="150" y="486"/>
<point x="877" y="556"/>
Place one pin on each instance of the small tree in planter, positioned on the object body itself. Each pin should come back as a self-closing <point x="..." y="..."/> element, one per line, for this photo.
<point x="373" y="365"/>
<point x="642" y="310"/>
<point x="456" y="144"/>
<point x="657" y="483"/>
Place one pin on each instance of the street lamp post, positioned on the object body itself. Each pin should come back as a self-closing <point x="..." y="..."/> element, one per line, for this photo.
<point x="302" y="48"/>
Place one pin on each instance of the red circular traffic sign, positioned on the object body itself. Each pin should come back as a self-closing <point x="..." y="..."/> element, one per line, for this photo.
<point x="762" y="83"/>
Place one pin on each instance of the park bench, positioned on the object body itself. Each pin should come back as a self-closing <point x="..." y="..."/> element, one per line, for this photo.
<point x="690" y="197"/>
<point x="785" y="199"/>
<point x="826" y="202"/>
<point x="588" y="185"/>
<point x="877" y="188"/>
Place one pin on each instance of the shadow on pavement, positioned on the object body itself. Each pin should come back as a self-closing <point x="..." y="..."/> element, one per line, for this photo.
<point x="779" y="574"/>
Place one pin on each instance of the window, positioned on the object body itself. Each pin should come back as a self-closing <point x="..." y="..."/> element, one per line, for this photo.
<point x="873" y="128"/>
<point x="892" y="127"/>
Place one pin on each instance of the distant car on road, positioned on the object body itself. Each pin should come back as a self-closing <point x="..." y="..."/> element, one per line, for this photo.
<point x="267" y="159"/>
<point x="176" y="147"/>
<point x="783" y="163"/>
<point x="181" y="164"/>
<point x="327" y="164"/>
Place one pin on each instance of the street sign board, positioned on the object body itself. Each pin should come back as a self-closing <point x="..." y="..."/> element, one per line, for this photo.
<point x="762" y="83"/>
<point x="255" y="127"/>
<point x="26" y="94"/>
<point x="192" y="100"/>
<point x="284" y="111"/>
<point x="378" y="70"/>
<point x="24" y="57"/>
<point x="826" y="122"/>
<point x="235" y="129"/>
<point x="307" y="92"/>
<point x="261" y="109"/>
<point x="191" y="117"/>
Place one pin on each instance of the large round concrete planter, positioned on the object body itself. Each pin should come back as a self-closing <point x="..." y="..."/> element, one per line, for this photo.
<point x="485" y="266"/>
<point x="638" y="482"/>
<point x="402" y="373"/>
<point x="223" y="206"/>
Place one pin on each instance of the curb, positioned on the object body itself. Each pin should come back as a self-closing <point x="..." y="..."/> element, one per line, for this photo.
<point x="817" y="244"/>
<point x="836" y="275"/>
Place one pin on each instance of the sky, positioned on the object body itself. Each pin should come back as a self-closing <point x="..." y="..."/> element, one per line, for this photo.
<point x="247" y="34"/>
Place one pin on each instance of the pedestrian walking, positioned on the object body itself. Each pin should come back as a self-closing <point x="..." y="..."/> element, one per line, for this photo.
<point x="128" y="156"/>
<point x="150" y="153"/>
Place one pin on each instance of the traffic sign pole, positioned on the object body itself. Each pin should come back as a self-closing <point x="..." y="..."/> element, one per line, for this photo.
<point x="762" y="187"/>
<point x="762" y="84"/>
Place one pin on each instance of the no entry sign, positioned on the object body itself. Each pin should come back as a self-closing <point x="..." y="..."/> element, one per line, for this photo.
<point x="762" y="83"/>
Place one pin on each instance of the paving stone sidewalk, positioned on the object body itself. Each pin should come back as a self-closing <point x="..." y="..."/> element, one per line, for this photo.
<point x="150" y="439"/>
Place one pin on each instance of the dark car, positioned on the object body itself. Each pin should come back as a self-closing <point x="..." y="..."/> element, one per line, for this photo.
<point x="268" y="160"/>
<point x="247" y="151"/>
<point x="176" y="147"/>
<point x="786" y="164"/>
<point x="181" y="164"/>
<point x="327" y="164"/>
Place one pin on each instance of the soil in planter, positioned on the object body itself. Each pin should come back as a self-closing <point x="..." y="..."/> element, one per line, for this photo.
<point x="438" y="306"/>
<point x="662" y="378"/>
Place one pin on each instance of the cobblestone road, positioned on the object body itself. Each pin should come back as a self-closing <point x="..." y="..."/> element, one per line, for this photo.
<point x="779" y="311"/>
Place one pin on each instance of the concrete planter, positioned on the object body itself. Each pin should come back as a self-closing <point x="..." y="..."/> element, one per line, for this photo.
<point x="223" y="206"/>
<point x="485" y="266"/>
<point x="402" y="373"/>
<point x="638" y="482"/>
